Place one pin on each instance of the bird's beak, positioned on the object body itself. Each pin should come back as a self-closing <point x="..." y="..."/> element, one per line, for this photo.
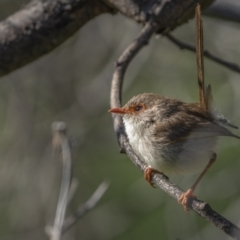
<point x="117" y="110"/>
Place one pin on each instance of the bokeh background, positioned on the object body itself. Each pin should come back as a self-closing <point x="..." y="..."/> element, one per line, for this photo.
<point x="72" y="84"/>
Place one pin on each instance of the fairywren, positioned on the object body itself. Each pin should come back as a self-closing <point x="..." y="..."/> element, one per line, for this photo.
<point x="172" y="136"/>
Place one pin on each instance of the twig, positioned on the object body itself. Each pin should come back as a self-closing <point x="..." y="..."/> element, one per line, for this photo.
<point x="60" y="140"/>
<point x="87" y="206"/>
<point x="72" y="190"/>
<point x="68" y="187"/>
<point x="201" y="208"/>
<point x="183" y="46"/>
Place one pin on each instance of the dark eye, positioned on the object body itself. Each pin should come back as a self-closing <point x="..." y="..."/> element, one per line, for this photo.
<point x="138" y="108"/>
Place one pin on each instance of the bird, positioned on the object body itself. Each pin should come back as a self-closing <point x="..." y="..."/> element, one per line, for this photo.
<point x="173" y="137"/>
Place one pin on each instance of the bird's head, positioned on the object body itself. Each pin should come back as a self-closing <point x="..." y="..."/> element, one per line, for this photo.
<point x="141" y="109"/>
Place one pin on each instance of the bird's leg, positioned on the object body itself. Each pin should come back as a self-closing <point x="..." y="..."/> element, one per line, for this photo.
<point x="186" y="198"/>
<point x="148" y="175"/>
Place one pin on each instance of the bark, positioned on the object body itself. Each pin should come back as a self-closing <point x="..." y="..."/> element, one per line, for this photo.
<point x="40" y="27"/>
<point x="175" y="14"/>
<point x="43" y="25"/>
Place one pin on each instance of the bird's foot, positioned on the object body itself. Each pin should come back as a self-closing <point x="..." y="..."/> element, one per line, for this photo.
<point x="148" y="175"/>
<point x="186" y="199"/>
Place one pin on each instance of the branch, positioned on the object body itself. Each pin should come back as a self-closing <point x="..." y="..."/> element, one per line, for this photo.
<point x="224" y="10"/>
<point x="201" y="208"/>
<point x="40" y="27"/>
<point x="43" y="25"/>
<point x="62" y="145"/>
<point x="87" y="206"/>
<point x="60" y="140"/>
<point x="207" y="54"/>
<point x="175" y="14"/>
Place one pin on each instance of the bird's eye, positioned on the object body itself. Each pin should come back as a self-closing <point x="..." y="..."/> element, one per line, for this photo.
<point x="138" y="108"/>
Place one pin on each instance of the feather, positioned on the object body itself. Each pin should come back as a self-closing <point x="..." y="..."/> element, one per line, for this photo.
<point x="200" y="62"/>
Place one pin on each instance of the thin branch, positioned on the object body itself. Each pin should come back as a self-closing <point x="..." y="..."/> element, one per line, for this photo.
<point x="201" y="208"/>
<point x="72" y="190"/>
<point x="61" y="145"/>
<point x="60" y="140"/>
<point x="87" y="206"/>
<point x="207" y="54"/>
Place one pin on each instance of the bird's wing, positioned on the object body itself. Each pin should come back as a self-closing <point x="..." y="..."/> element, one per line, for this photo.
<point x="188" y="125"/>
<point x="225" y="122"/>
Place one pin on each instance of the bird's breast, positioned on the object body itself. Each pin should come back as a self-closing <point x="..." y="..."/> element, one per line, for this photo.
<point x="181" y="157"/>
<point x="143" y="145"/>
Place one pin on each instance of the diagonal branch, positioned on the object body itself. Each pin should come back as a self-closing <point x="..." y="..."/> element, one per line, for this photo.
<point x="41" y="26"/>
<point x="62" y="145"/>
<point x="201" y="208"/>
<point x="207" y="54"/>
<point x="86" y="207"/>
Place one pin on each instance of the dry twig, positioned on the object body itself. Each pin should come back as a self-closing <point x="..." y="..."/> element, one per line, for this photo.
<point x="201" y="208"/>
<point x="87" y="206"/>
<point x="60" y="140"/>
<point x="68" y="187"/>
<point x="182" y="45"/>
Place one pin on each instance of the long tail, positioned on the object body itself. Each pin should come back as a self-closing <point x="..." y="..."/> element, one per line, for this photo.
<point x="205" y="94"/>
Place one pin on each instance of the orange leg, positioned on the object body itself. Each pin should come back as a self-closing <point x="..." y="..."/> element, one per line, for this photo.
<point x="148" y="174"/>
<point x="187" y="197"/>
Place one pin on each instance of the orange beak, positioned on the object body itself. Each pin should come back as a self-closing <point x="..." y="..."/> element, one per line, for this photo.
<point x="117" y="110"/>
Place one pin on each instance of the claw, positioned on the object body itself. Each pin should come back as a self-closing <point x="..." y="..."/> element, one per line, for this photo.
<point x="186" y="199"/>
<point x="148" y="175"/>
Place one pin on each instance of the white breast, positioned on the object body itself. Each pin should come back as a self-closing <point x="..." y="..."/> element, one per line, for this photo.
<point x="194" y="156"/>
<point x="142" y="145"/>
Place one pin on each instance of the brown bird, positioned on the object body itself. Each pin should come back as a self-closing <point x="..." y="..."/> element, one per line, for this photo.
<point x="172" y="136"/>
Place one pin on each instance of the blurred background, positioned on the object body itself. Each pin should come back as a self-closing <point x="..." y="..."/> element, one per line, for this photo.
<point x="72" y="84"/>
